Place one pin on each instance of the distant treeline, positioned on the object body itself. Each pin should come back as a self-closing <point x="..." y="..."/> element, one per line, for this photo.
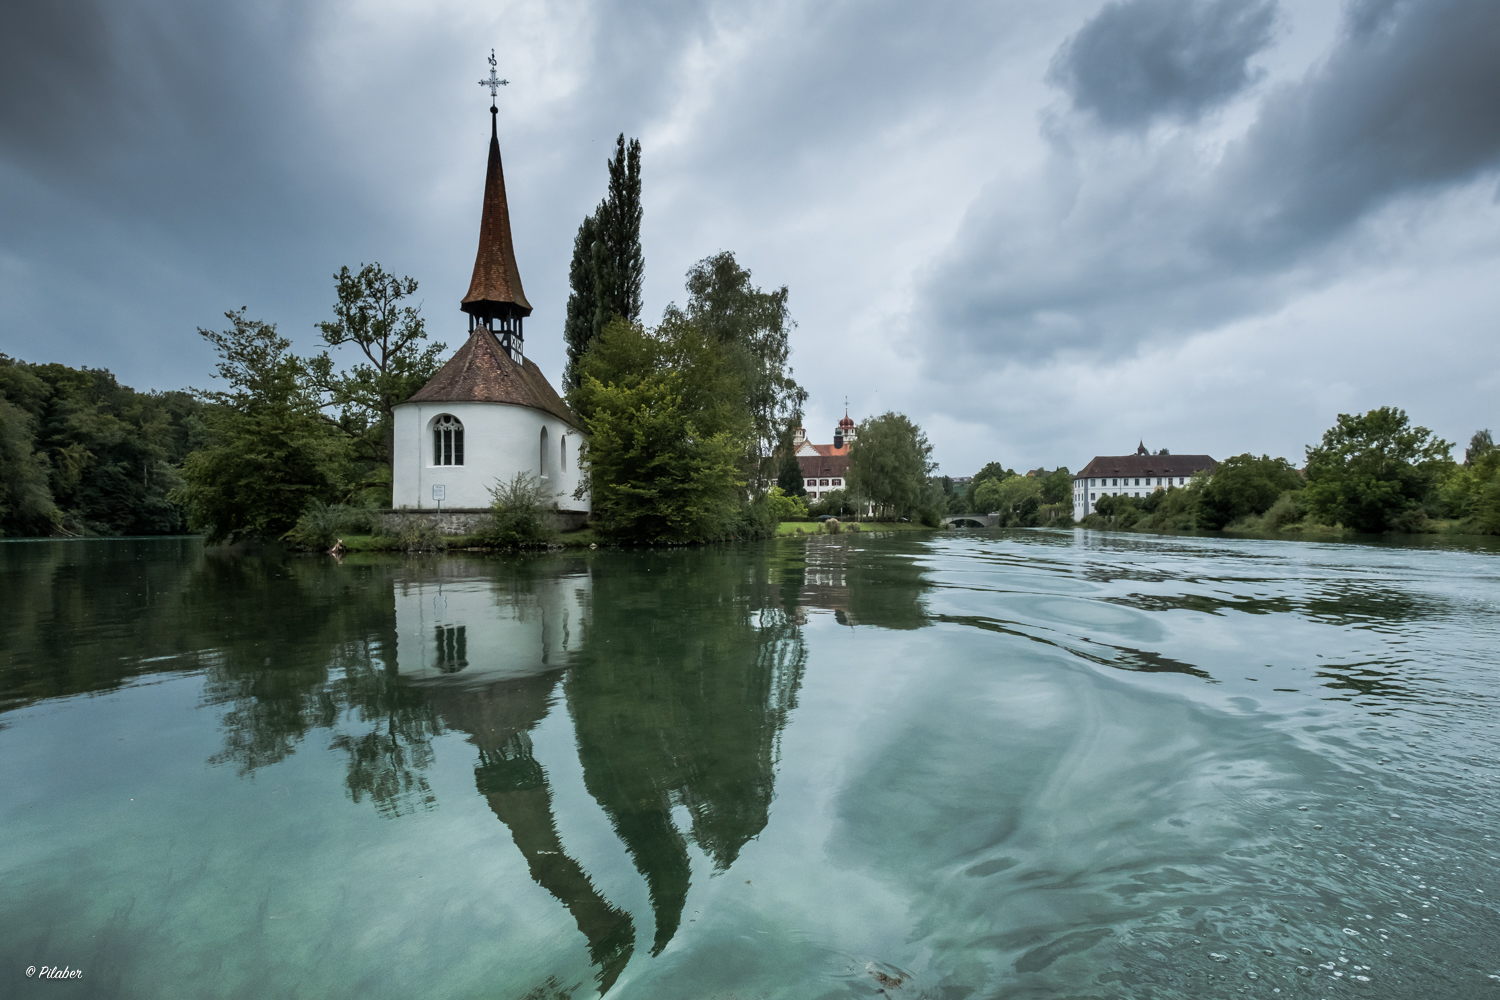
<point x="1373" y="472"/>
<point x="82" y="454"/>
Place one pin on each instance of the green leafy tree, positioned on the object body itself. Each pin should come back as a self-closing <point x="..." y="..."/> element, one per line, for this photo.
<point x="106" y="452"/>
<point x="609" y="266"/>
<point x="1058" y="487"/>
<point x="1373" y="471"/>
<point x="26" y="506"/>
<point x="1472" y="491"/>
<point x="1244" y="485"/>
<point x="835" y="503"/>
<point x="272" y="455"/>
<point x="889" y="463"/>
<point x="1480" y="445"/>
<point x="373" y="314"/>
<point x="991" y="470"/>
<point x="664" y="414"/>
<point x="784" y="507"/>
<point x="754" y="326"/>
<point x="1006" y="495"/>
<point x="654" y="475"/>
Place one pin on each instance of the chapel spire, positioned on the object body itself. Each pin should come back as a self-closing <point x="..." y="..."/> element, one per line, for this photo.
<point x="495" y="292"/>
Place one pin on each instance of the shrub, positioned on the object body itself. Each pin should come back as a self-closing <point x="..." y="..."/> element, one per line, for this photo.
<point x="752" y="520"/>
<point x="323" y="524"/>
<point x="784" y="506"/>
<point x="518" y="515"/>
<point x="1244" y="485"/>
<point x="836" y="502"/>
<point x="420" y="534"/>
<point x="1288" y="509"/>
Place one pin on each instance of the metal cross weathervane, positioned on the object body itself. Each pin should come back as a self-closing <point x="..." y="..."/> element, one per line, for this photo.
<point x="494" y="82"/>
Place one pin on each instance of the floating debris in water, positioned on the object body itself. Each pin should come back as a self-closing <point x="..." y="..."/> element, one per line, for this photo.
<point x="1218" y="957"/>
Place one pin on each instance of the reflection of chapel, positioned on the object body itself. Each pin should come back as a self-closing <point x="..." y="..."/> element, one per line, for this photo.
<point x="825" y="467"/>
<point x="489" y="413"/>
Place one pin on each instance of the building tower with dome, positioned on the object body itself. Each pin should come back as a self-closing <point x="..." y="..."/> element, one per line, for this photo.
<point x="489" y="413"/>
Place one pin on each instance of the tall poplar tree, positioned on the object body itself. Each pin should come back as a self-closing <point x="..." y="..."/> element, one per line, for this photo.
<point x="608" y="264"/>
<point x="578" y="328"/>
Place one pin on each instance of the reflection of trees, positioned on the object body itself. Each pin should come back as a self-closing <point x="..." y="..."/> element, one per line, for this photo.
<point x="863" y="586"/>
<point x="499" y="719"/>
<point x="678" y="699"/>
<point x="314" y="648"/>
<point x="88" y="615"/>
<point x="678" y="681"/>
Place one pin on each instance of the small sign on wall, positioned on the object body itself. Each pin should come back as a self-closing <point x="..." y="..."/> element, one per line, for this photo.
<point x="439" y="491"/>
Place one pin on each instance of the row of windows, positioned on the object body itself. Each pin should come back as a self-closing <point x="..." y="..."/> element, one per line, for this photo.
<point x="825" y="482"/>
<point x="1160" y="481"/>
<point x="448" y="444"/>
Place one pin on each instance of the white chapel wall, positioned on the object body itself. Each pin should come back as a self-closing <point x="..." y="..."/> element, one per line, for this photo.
<point x="500" y="439"/>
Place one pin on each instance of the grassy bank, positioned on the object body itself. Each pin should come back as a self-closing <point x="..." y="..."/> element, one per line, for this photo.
<point x="589" y="537"/>
<point x="390" y="543"/>
<point x="795" y="528"/>
<point x="1300" y="531"/>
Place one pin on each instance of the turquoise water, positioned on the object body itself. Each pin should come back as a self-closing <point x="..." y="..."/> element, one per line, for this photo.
<point x="982" y="764"/>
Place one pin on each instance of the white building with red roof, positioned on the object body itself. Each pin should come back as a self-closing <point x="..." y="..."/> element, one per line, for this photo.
<point x="825" y="467"/>
<point x="1137" y="475"/>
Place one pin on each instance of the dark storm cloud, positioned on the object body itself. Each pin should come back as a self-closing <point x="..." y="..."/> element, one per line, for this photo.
<point x="1120" y="242"/>
<point x="1410" y="101"/>
<point x="145" y="149"/>
<point x="1140" y="59"/>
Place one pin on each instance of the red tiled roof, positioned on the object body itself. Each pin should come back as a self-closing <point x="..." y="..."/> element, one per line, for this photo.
<point x="1146" y="465"/>
<point x="496" y="279"/>
<point x="482" y="372"/>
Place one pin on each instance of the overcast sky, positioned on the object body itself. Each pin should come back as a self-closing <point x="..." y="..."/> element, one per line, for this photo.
<point x="1044" y="229"/>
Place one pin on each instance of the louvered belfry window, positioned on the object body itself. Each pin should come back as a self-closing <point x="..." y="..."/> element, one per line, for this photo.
<point x="447" y="441"/>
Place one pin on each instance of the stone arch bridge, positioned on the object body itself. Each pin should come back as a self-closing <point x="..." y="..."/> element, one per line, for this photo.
<point x="972" y="521"/>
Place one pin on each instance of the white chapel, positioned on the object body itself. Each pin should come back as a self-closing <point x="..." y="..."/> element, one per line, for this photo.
<point x="489" y="413"/>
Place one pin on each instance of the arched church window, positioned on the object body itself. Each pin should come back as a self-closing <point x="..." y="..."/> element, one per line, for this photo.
<point x="562" y="454"/>
<point x="542" y="456"/>
<point x="447" y="441"/>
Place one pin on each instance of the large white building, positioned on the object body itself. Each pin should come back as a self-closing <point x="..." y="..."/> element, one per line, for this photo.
<point x="825" y="467"/>
<point x="1135" y="475"/>
<point x="489" y="413"/>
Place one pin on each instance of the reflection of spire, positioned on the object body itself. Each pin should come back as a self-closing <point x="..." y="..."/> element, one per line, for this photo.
<point x="515" y="786"/>
<point x="499" y="719"/>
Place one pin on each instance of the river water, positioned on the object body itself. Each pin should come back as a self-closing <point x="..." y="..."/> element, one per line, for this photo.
<point x="976" y="764"/>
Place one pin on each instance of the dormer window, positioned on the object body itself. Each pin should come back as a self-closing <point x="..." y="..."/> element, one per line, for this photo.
<point x="447" y="441"/>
